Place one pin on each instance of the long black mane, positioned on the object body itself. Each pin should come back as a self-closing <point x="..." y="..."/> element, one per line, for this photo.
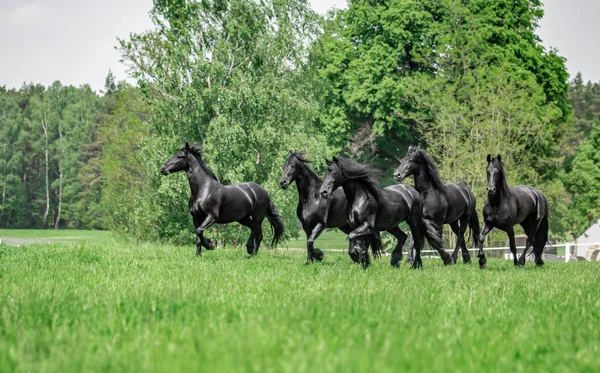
<point x="503" y="183"/>
<point x="431" y="168"/>
<point x="301" y="156"/>
<point x="196" y="152"/>
<point x="366" y="174"/>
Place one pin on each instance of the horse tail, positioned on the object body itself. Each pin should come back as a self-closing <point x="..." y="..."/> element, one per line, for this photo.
<point x="474" y="227"/>
<point x="434" y="237"/>
<point x="276" y="222"/>
<point x="376" y="245"/>
<point x="541" y="236"/>
<point x="431" y="234"/>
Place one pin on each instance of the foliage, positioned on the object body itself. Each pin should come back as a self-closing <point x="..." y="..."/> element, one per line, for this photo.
<point x="229" y="75"/>
<point x="583" y="181"/>
<point x="44" y="131"/>
<point x="465" y="78"/>
<point x="157" y="308"/>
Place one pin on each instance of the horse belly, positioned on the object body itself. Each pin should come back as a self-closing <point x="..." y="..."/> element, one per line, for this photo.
<point x="234" y="209"/>
<point x="388" y="218"/>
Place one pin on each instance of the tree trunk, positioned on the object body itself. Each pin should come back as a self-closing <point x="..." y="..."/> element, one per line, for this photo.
<point x="60" y="179"/>
<point x="3" y="196"/>
<point x="45" y="128"/>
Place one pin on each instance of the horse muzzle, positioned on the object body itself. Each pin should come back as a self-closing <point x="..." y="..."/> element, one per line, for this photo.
<point x="398" y="176"/>
<point x="325" y="194"/>
<point x="491" y="191"/>
<point x="164" y="171"/>
<point x="283" y="184"/>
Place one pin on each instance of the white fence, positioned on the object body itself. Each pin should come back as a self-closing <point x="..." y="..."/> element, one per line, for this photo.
<point x="569" y="246"/>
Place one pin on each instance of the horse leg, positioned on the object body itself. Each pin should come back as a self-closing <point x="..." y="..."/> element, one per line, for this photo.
<point x="247" y="222"/>
<point x="456" y="230"/>
<point x="397" y="253"/>
<point x="208" y="221"/>
<point x="360" y="245"/>
<point x="513" y="246"/>
<point x="258" y="236"/>
<point x="410" y="251"/>
<point x="443" y="254"/>
<point x="487" y="227"/>
<point x="353" y="255"/>
<point x="362" y="248"/>
<point x="314" y="254"/>
<point x="464" y="224"/>
<point x="530" y="226"/>
<point x="200" y="239"/>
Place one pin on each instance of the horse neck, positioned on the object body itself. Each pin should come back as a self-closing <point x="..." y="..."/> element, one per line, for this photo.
<point x="308" y="184"/>
<point x="423" y="181"/>
<point x="353" y="189"/>
<point x="198" y="178"/>
<point x="503" y="193"/>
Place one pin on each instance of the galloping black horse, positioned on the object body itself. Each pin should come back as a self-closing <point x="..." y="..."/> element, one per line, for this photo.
<point x="505" y="207"/>
<point x="316" y="213"/>
<point x="371" y="208"/>
<point x="212" y="202"/>
<point x="449" y="203"/>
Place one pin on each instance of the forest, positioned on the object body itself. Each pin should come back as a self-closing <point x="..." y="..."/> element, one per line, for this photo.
<point x="251" y="80"/>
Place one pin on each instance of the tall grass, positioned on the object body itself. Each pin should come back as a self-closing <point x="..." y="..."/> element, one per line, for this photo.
<point x="110" y="307"/>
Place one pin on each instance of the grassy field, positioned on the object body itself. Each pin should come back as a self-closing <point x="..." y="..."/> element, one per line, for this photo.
<point x="28" y="236"/>
<point x="111" y="307"/>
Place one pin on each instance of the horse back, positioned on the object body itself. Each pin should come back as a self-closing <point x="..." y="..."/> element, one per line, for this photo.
<point x="530" y="200"/>
<point x="404" y="195"/>
<point x="459" y="201"/>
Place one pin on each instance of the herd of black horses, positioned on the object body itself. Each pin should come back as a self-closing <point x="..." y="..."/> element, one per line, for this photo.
<point x="349" y="198"/>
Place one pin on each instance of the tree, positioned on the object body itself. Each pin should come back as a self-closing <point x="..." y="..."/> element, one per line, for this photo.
<point x="464" y="78"/>
<point x="583" y="181"/>
<point x="231" y="76"/>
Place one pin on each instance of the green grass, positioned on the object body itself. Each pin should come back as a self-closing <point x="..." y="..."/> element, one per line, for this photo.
<point x="331" y="239"/>
<point x="27" y="236"/>
<point x="110" y="307"/>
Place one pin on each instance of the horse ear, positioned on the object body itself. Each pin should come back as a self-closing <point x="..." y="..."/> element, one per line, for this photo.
<point x="327" y="161"/>
<point x="489" y="158"/>
<point x="334" y="159"/>
<point x="187" y="145"/>
<point x="499" y="158"/>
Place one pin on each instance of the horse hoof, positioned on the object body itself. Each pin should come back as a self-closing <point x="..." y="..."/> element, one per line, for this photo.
<point x="211" y="245"/>
<point x="418" y="265"/>
<point x="395" y="265"/>
<point x="319" y="255"/>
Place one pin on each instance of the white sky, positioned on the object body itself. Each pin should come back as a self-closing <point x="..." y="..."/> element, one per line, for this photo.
<point x="73" y="40"/>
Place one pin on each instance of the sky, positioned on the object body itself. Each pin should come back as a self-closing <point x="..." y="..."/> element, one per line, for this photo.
<point x="74" y="40"/>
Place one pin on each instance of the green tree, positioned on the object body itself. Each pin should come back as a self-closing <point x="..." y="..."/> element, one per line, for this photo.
<point x="463" y="78"/>
<point x="231" y="76"/>
<point x="583" y="181"/>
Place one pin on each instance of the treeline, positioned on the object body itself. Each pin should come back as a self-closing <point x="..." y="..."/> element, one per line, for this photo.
<point x="252" y="80"/>
<point x="51" y="165"/>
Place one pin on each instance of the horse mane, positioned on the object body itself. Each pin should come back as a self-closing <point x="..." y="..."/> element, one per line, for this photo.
<point x="432" y="170"/>
<point x="366" y="174"/>
<point x="301" y="156"/>
<point x="504" y="184"/>
<point x="195" y="151"/>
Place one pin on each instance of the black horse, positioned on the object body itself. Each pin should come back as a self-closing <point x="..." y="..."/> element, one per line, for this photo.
<point x="505" y="207"/>
<point x="316" y="213"/>
<point x="371" y="208"/>
<point x="212" y="202"/>
<point x="450" y="203"/>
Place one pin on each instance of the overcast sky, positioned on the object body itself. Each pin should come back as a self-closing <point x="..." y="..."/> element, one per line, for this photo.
<point x="73" y="40"/>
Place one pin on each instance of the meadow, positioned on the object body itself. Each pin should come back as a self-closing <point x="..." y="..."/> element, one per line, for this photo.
<point x="101" y="305"/>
